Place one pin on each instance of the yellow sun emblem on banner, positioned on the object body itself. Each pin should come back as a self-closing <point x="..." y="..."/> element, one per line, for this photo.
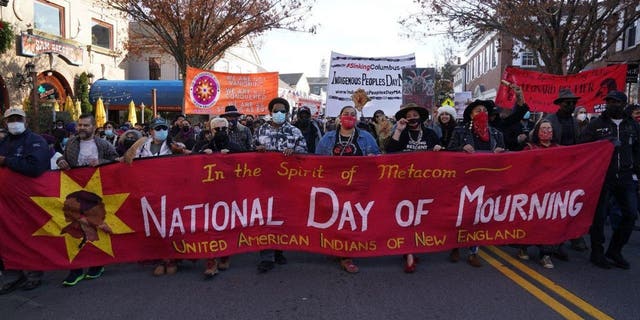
<point x="54" y="207"/>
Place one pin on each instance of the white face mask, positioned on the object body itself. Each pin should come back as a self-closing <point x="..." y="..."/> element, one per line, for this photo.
<point x="15" y="128"/>
<point x="581" y="116"/>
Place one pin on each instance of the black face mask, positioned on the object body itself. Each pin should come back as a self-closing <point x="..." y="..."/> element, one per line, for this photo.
<point x="221" y="139"/>
<point x="233" y="123"/>
<point x="304" y="122"/>
<point x="413" y="122"/>
<point x="129" y="142"/>
<point x="615" y="111"/>
<point x="186" y="129"/>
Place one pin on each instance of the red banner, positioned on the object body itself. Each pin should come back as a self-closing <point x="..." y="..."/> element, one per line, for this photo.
<point x="540" y="89"/>
<point x="208" y="92"/>
<point x="218" y="205"/>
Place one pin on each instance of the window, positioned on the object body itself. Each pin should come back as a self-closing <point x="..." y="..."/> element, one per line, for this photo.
<point x="102" y="34"/>
<point x="154" y="69"/>
<point x="528" y="59"/>
<point x="631" y="37"/>
<point x="48" y="17"/>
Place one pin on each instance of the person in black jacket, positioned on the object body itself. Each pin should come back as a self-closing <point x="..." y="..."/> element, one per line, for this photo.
<point x="618" y="127"/>
<point x="26" y="153"/>
<point x="410" y="133"/>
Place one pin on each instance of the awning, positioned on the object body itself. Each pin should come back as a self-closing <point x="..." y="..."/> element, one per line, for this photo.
<point x="118" y="93"/>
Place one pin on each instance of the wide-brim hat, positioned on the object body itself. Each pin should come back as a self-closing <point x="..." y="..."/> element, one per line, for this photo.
<point x="565" y="94"/>
<point x="231" y="111"/>
<point x="489" y="104"/>
<point x="402" y="113"/>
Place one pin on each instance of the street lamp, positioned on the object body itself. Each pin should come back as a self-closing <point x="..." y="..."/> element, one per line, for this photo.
<point x="30" y="69"/>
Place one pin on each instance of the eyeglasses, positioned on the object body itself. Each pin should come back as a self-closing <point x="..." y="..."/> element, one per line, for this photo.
<point x="161" y="128"/>
<point x="218" y="129"/>
<point x="280" y="111"/>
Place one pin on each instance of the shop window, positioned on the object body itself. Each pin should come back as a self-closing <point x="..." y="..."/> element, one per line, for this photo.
<point x="48" y="17"/>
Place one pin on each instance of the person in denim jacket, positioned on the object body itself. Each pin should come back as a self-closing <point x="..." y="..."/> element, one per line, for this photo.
<point x="348" y="140"/>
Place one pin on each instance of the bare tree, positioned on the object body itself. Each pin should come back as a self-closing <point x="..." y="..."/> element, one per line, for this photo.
<point x="197" y="32"/>
<point x="566" y="35"/>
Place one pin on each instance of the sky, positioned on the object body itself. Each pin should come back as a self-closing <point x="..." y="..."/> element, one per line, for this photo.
<point x="367" y="28"/>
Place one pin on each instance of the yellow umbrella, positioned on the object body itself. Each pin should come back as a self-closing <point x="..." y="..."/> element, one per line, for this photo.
<point x="77" y="111"/>
<point x="56" y="106"/>
<point x="133" y="118"/>
<point x="101" y="115"/>
<point x="68" y="105"/>
<point x="25" y="104"/>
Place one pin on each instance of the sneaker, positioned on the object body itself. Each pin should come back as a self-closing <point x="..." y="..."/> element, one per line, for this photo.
<point x="474" y="260"/>
<point x="224" y="263"/>
<point x="618" y="260"/>
<point x="73" y="278"/>
<point x="546" y="262"/>
<point x="94" y="272"/>
<point x="522" y="254"/>
<point x="454" y="255"/>
<point x="265" y="266"/>
<point x="280" y="258"/>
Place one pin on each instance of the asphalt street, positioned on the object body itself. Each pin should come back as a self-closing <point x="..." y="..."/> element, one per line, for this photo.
<point x="312" y="286"/>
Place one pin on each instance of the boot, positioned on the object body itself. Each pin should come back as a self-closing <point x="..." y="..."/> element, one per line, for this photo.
<point x="615" y="249"/>
<point x="597" y="256"/>
<point x="578" y="244"/>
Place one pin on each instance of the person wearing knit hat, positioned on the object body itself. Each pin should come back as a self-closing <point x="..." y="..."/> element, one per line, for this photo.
<point x="444" y="124"/>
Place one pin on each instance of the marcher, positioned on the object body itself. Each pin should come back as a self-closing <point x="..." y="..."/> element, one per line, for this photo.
<point x="238" y="133"/>
<point x="110" y="133"/>
<point x="444" y="124"/>
<point x="348" y="140"/>
<point x="85" y="149"/>
<point x="309" y="127"/>
<point x="26" y="153"/>
<point x="474" y="135"/>
<point x="380" y="128"/>
<point x="566" y="133"/>
<point x="541" y="138"/>
<point x="277" y="135"/>
<point x="412" y="135"/>
<point x="616" y="126"/>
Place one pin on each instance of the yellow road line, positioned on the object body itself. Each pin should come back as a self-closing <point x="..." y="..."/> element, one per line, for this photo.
<point x="577" y="301"/>
<point x="537" y="292"/>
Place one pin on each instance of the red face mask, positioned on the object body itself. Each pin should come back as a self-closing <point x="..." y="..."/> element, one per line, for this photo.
<point x="481" y="126"/>
<point x="545" y="136"/>
<point x="348" y="122"/>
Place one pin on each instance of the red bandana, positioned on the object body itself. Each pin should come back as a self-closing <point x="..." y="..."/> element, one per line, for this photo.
<point x="481" y="126"/>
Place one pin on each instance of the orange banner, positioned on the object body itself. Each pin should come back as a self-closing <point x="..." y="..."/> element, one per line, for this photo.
<point x="208" y="92"/>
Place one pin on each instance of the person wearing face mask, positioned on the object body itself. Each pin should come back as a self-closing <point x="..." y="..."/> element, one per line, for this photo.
<point x="186" y="135"/>
<point x="126" y="140"/>
<point x="280" y="136"/>
<point x="217" y="139"/>
<point x="59" y="133"/>
<point x="238" y="133"/>
<point x="410" y="133"/>
<point x="309" y="127"/>
<point x="472" y="136"/>
<point x="566" y="133"/>
<point x="540" y="138"/>
<point x="26" y="153"/>
<point x="347" y="140"/>
<point x="581" y="120"/>
<point x="110" y="134"/>
<point x="624" y="132"/>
